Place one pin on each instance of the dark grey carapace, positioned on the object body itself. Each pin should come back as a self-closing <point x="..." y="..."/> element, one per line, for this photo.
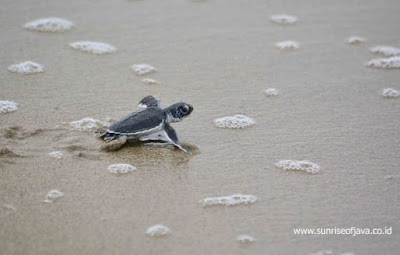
<point x="149" y="123"/>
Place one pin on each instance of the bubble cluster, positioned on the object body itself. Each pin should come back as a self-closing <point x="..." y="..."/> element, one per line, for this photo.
<point x="97" y="48"/>
<point x="27" y="67"/>
<point x="158" y="231"/>
<point x="142" y="69"/>
<point x="390" y="93"/>
<point x="56" y="154"/>
<point x="299" y="165"/>
<point x="245" y="239"/>
<point x="284" y="19"/>
<point x="121" y="168"/>
<point x="287" y="45"/>
<point x="235" y="199"/>
<point x="387" y="51"/>
<point x="271" y="92"/>
<point x="87" y="124"/>
<point x="355" y="39"/>
<point x="52" y="195"/>
<point x="49" y="25"/>
<point x="390" y="63"/>
<point x="150" y="81"/>
<point x="8" y="106"/>
<point x="236" y="121"/>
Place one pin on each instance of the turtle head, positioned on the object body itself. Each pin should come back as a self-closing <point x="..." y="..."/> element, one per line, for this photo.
<point x="178" y="112"/>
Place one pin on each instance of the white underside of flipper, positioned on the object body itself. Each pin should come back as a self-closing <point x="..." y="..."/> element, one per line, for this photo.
<point x="156" y="136"/>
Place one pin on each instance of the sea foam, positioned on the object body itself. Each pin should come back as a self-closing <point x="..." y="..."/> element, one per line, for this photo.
<point x="299" y="165"/>
<point x="87" y="124"/>
<point x="8" y="106"/>
<point x="284" y="19"/>
<point x="245" y="239"/>
<point x="390" y="93"/>
<point x="271" y="92"/>
<point x="287" y="45"/>
<point x="56" y="154"/>
<point x="387" y="51"/>
<point x="355" y="39"/>
<point x="93" y="47"/>
<point x="49" y="25"/>
<point x="150" y="81"/>
<point x="52" y="195"/>
<point x="235" y="199"/>
<point x="389" y="63"/>
<point x="158" y="231"/>
<point x="236" y="121"/>
<point x="142" y="69"/>
<point x="121" y="168"/>
<point x="27" y="67"/>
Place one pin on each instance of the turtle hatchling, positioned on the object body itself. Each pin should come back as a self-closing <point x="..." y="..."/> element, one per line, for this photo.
<point x="148" y="123"/>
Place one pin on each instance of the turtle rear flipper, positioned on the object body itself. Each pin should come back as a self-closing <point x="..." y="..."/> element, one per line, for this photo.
<point x="114" y="144"/>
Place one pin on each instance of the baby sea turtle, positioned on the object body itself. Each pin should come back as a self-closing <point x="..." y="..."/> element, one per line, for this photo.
<point x="148" y="123"/>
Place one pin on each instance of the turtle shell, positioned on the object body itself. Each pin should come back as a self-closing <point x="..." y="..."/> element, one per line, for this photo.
<point x="143" y="122"/>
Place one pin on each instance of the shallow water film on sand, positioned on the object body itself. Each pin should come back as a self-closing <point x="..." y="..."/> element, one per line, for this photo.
<point x="292" y="146"/>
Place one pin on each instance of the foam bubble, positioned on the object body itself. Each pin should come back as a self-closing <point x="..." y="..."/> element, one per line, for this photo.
<point x="87" y="124"/>
<point x="49" y="25"/>
<point x="56" y="154"/>
<point x="93" y="47"/>
<point x="284" y="19"/>
<point x="392" y="62"/>
<point x="236" y="121"/>
<point x="8" y="106"/>
<point x="390" y="93"/>
<point x="299" y="165"/>
<point x="287" y="45"/>
<point x="142" y="69"/>
<point x="323" y="252"/>
<point x="271" y="92"/>
<point x="158" y="230"/>
<point x="9" y="207"/>
<point x="387" y="51"/>
<point x="52" y="195"/>
<point x="245" y="239"/>
<point x="121" y="168"/>
<point x="150" y="81"/>
<point x="235" y="199"/>
<point x="27" y="67"/>
<point x="355" y="39"/>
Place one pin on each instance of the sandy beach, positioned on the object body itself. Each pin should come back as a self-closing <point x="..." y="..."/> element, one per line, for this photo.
<point x="219" y="56"/>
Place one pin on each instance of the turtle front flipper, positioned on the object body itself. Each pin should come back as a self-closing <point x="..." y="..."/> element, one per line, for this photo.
<point x="148" y="102"/>
<point x="170" y="134"/>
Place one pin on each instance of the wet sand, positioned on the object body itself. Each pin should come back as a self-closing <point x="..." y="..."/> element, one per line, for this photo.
<point x="218" y="56"/>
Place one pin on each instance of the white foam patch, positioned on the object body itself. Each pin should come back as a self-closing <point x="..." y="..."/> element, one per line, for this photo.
<point x="56" y="154"/>
<point x="287" y="45"/>
<point x="27" y="67"/>
<point x="389" y="63"/>
<point x="271" y="92"/>
<point x="284" y="19"/>
<point x="390" y="93"/>
<point x="8" y="106"/>
<point x="87" y="124"/>
<point x="93" y="47"/>
<point x="158" y="231"/>
<point x="387" y="51"/>
<point x="355" y="39"/>
<point x="245" y="239"/>
<point x="52" y="195"/>
<point x="236" y="121"/>
<point x="49" y="25"/>
<point x="9" y="207"/>
<point x="150" y="81"/>
<point x="323" y="252"/>
<point x="235" y="199"/>
<point x="298" y="165"/>
<point x="142" y="69"/>
<point x="121" y="168"/>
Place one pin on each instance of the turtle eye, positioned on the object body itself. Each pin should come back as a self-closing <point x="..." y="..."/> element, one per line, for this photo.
<point x="185" y="109"/>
